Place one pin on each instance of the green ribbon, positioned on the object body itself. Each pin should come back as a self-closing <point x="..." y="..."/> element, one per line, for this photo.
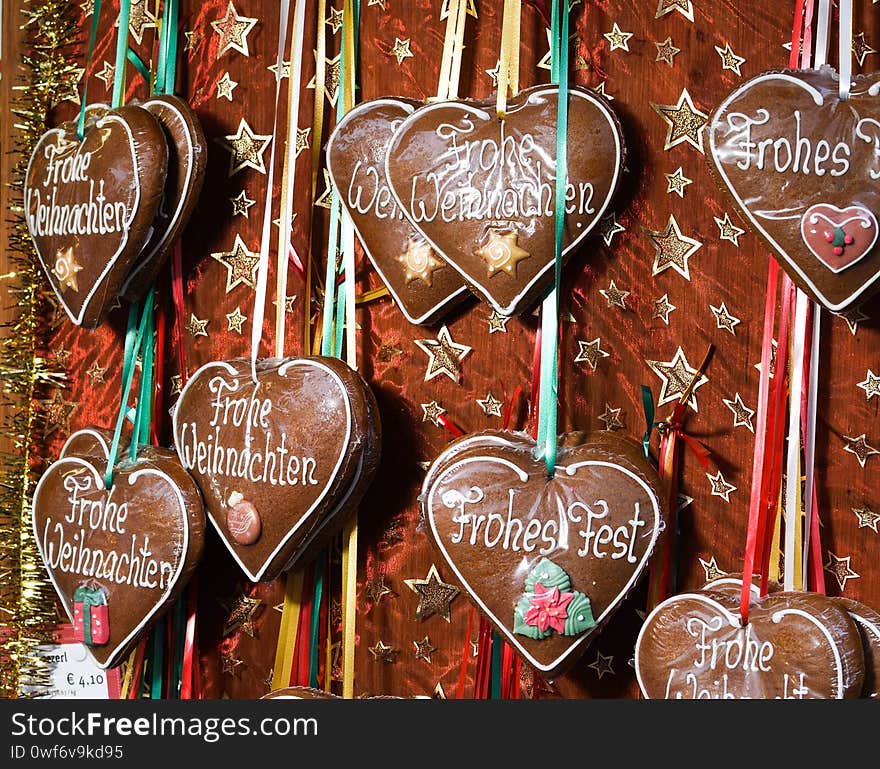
<point x="81" y="121"/>
<point x="549" y="381"/>
<point x="315" y="623"/>
<point x="89" y="597"/>
<point x="141" y="432"/>
<point x="495" y="674"/>
<point x="157" y="641"/>
<point x="138" y="64"/>
<point x="648" y="407"/>
<point x="180" y="642"/>
<point x="166" y="63"/>
<point x="121" y="52"/>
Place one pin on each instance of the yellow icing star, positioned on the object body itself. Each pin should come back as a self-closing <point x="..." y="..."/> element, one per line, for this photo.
<point x="419" y="261"/>
<point x="502" y="252"/>
<point x="66" y="268"/>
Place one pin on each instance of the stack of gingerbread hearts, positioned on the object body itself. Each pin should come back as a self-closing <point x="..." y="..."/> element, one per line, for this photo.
<point x="450" y="194"/>
<point x="118" y="555"/>
<point x="547" y="560"/>
<point x="282" y="453"/>
<point x="103" y="210"/>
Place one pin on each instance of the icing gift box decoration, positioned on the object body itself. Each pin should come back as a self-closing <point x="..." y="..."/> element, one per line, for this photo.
<point x="91" y="615"/>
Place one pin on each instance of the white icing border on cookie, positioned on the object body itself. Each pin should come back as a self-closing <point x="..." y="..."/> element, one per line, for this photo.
<point x="349" y="116"/>
<point x="77" y="319"/>
<point x="482" y="114"/>
<point x="246" y="375"/>
<point x="161" y="603"/>
<point x="569" y="470"/>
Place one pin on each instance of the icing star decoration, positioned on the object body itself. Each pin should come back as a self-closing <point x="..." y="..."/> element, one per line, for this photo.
<point x="419" y="261"/>
<point x="240" y="263"/>
<point x="684" y="122"/>
<point x="66" y="268"/>
<point x="675" y="376"/>
<point x="434" y="595"/>
<point x="672" y="249"/>
<point x="502" y="252"/>
<point x="233" y="31"/>
<point x="444" y="355"/>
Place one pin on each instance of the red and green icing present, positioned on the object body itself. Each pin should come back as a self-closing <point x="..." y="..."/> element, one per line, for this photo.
<point x="91" y="616"/>
<point x="549" y="604"/>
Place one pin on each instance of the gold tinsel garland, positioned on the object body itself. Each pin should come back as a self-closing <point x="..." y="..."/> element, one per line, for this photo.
<point x="27" y="599"/>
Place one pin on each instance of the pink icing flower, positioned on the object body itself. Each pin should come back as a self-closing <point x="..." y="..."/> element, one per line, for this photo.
<point x="548" y="608"/>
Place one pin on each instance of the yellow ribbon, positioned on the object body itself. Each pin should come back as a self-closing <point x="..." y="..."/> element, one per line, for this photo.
<point x="508" y="61"/>
<point x="129" y="674"/>
<point x="349" y="604"/>
<point x="287" y="632"/>
<point x="453" y="44"/>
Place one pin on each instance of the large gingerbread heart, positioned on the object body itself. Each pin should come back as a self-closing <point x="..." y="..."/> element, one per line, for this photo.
<point x="118" y="557"/>
<point x="90" y="205"/>
<point x="423" y="285"/>
<point x="482" y="189"/>
<point x="547" y="560"/>
<point x="278" y="460"/>
<point x="801" y="166"/>
<point x="795" y="646"/>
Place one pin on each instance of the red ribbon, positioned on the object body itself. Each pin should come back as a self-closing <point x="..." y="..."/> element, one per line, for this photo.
<point x="189" y="643"/>
<point x="179" y="307"/>
<point x="536" y="380"/>
<point x="450" y="426"/>
<point x="135" y="689"/>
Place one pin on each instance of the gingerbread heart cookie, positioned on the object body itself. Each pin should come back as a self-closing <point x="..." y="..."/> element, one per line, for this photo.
<point x="795" y="646"/>
<point x="90" y="205"/>
<point x="482" y="189"/>
<point x="801" y="166"/>
<point x="422" y="284"/>
<point x="868" y="623"/>
<point x="280" y="461"/>
<point x="547" y="560"/>
<point x="117" y="557"/>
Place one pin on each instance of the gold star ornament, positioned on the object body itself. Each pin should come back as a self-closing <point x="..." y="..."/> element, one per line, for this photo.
<point x="683" y="7"/>
<point x="672" y="249"/>
<point x="419" y="261"/>
<point x="435" y="596"/>
<point x="675" y="377"/>
<point x="618" y="38"/>
<point x="240" y="263"/>
<point x="684" y="122"/>
<point x="729" y="60"/>
<point x="400" y="50"/>
<point x="502" y="253"/>
<point x="66" y="268"/>
<point x="233" y="31"/>
<point x="666" y="51"/>
<point x="444" y="355"/>
<point x="246" y="149"/>
<point x="235" y="320"/>
<point x="225" y="87"/>
<point x="241" y="616"/>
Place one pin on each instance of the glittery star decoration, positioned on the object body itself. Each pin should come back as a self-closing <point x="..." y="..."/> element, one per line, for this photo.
<point x="284" y="69"/>
<point x="383" y="653"/>
<point x="302" y="140"/>
<point x="139" y="19"/>
<point x="662" y="308"/>
<point x="241" y="203"/>
<point x="711" y="569"/>
<point x="229" y="663"/>
<point x="423" y="649"/>
<point x="96" y="373"/>
<point x="246" y="149"/>
<point x="742" y="414"/>
<point x="773" y="345"/>
<point x="431" y="412"/>
<point x="176" y="384"/>
<point x="501" y="252"/>
<point x="618" y="38"/>
<point x="684" y="122"/>
<point x="331" y="78"/>
<point x="720" y="487"/>
<point x="193" y="38"/>
<point x="590" y="353"/>
<point x="233" y="31"/>
<point x="724" y="319"/>
<point x="375" y="589"/>
<point x="380" y="3"/>
<point x="608" y="227"/>
<point x="235" y="320"/>
<point x="470" y="9"/>
<point x="676" y="182"/>
<point x="491" y="405"/>
<point x="57" y="413"/>
<point x="444" y="355"/>
<point x="602" y="665"/>
<point x="240" y="263"/>
<point x="324" y="200"/>
<point x="853" y="317"/>
<point x="387" y="352"/>
<point x="600" y="89"/>
<point x="434" y="595"/>
<point x="400" y="50"/>
<point x="497" y="322"/>
<point x="729" y="60"/>
<point x="197" y="327"/>
<point x="614" y="296"/>
<point x="728" y="230"/>
<point x="334" y="20"/>
<point x="493" y="73"/>
<point x="840" y="569"/>
<point x="88" y="7"/>
<point x="675" y="376"/>
<point x="871" y="385"/>
<point x="672" y="249"/>
<point x="225" y="87"/>
<point x="419" y="261"/>
<point x="684" y="7"/>
<point x="666" y="51"/>
<point x="860" y="448"/>
<point x="66" y="267"/>
<point x="611" y="418"/>
<point x="860" y="48"/>
<point x="69" y="89"/>
<point x="868" y="519"/>
<point x="106" y="75"/>
<point x="241" y="616"/>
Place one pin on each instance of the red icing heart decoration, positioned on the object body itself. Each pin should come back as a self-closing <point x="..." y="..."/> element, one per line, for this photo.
<point x="839" y="237"/>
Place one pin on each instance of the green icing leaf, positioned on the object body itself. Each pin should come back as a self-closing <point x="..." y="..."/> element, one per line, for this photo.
<point x="549" y="575"/>
<point x="580" y="615"/>
<point x="519" y="623"/>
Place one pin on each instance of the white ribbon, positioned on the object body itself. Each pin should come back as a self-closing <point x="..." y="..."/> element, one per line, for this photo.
<point x="821" y="56"/>
<point x="844" y="42"/>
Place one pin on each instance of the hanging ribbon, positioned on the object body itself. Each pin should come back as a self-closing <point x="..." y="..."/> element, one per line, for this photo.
<point x="81" y="120"/>
<point x="453" y="44"/>
<point x="121" y="51"/>
<point x="844" y="47"/>
<point x="508" y="61"/>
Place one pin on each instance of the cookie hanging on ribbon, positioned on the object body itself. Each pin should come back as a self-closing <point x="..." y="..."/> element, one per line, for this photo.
<point x="117" y="557"/>
<point x="801" y="165"/>
<point x="481" y="189"/>
<point x="547" y="560"/>
<point x="423" y="285"/>
<point x="90" y="205"/>
<point x="280" y="463"/>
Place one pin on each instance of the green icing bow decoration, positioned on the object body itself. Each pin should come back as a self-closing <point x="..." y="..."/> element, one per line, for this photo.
<point x="550" y="604"/>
